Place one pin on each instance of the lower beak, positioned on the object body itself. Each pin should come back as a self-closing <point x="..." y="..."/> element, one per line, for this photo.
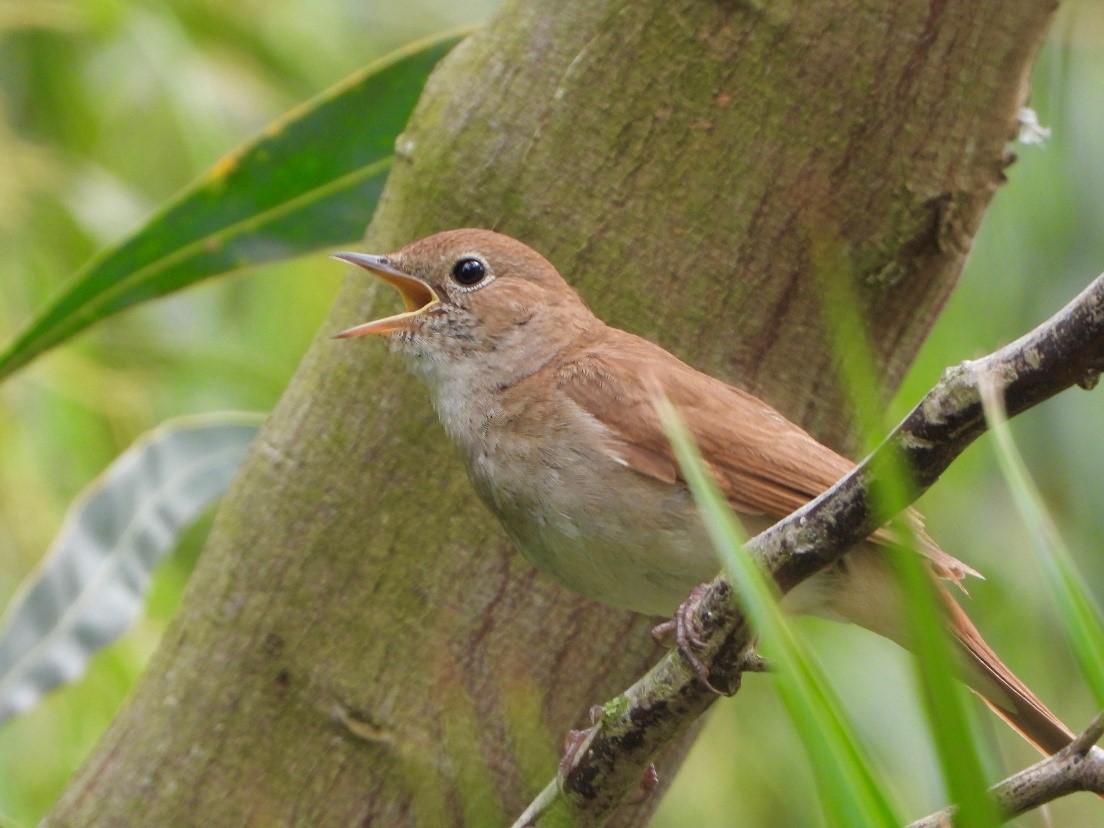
<point x="418" y="297"/>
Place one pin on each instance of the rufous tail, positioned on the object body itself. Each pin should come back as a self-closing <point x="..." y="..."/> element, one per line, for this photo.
<point x="863" y="590"/>
<point x="998" y="686"/>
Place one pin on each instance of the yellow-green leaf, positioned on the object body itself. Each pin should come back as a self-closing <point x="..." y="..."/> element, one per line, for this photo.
<point x="308" y="182"/>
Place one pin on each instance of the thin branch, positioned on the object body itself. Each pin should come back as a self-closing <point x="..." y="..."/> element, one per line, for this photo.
<point x="1077" y="767"/>
<point x="1066" y="350"/>
<point x="539" y="807"/>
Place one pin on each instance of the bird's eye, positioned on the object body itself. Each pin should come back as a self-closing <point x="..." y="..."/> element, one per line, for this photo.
<point x="469" y="271"/>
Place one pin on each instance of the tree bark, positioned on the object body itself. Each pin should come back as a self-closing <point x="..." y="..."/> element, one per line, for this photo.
<point x="359" y="644"/>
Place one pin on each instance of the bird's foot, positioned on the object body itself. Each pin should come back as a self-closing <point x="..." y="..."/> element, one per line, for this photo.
<point x="576" y="741"/>
<point x="649" y="781"/>
<point x="687" y="634"/>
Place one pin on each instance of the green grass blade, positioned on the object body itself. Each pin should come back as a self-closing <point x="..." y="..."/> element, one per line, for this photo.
<point x="1081" y="617"/>
<point x="848" y="782"/>
<point x="308" y="182"/>
<point x="946" y="706"/>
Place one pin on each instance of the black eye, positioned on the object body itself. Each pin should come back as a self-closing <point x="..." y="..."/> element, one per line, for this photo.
<point x="469" y="271"/>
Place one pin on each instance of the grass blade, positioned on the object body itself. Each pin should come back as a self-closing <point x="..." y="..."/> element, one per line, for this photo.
<point x="946" y="706"/>
<point x="1081" y="617"/>
<point x="849" y="785"/>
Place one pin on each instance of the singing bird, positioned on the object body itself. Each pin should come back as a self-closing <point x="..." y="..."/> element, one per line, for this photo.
<point x="554" y="413"/>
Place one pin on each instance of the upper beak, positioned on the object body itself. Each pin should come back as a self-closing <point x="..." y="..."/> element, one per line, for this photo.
<point x="418" y="297"/>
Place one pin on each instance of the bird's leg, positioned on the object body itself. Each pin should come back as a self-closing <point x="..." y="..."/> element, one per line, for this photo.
<point x="687" y="634"/>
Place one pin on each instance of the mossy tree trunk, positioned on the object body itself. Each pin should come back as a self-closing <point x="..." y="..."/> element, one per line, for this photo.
<point x="359" y="643"/>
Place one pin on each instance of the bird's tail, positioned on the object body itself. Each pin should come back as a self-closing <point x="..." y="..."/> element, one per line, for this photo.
<point x="999" y="687"/>
<point x="864" y="591"/>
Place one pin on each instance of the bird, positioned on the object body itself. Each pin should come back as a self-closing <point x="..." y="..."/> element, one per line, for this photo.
<point x="554" y="413"/>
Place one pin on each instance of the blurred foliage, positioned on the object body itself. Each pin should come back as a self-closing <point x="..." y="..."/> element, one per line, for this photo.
<point x="108" y="107"/>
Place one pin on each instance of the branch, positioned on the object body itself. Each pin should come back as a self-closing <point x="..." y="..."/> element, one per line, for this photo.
<point x="1066" y="350"/>
<point x="1076" y="767"/>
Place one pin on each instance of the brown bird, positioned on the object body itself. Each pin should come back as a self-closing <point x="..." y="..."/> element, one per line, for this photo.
<point x="554" y="413"/>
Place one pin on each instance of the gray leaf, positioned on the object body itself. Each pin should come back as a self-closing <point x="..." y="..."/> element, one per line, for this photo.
<point x="92" y="584"/>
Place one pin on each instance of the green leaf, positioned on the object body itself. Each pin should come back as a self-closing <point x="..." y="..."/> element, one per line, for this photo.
<point x="1081" y="616"/>
<point x="949" y="716"/>
<point x="849" y="785"/>
<point x="308" y="182"/>
<point x="92" y="583"/>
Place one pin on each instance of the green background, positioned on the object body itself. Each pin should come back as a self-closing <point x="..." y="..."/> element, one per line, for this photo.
<point x="109" y="107"/>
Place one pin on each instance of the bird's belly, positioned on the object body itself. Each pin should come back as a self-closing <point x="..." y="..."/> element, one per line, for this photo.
<point x="618" y="538"/>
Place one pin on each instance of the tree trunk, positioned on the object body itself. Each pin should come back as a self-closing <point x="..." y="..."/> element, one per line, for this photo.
<point x="359" y="643"/>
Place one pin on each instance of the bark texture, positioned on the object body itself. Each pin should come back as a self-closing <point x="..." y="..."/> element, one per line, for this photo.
<point x="359" y="644"/>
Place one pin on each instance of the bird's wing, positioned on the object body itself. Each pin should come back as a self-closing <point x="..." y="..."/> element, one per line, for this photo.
<point x="764" y="464"/>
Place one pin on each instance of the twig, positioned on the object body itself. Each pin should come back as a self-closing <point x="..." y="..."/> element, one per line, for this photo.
<point x="1066" y="350"/>
<point x="539" y="807"/>
<point x="1077" y="767"/>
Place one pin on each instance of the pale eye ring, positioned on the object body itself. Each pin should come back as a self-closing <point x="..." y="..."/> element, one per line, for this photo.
<point x="469" y="271"/>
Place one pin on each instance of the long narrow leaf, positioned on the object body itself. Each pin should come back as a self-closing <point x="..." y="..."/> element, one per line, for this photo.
<point x="308" y="182"/>
<point x="92" y="584"/>
<point x="1081" y="616"/>
<point x="950" y="719"/>
<point x="849" y="785"/>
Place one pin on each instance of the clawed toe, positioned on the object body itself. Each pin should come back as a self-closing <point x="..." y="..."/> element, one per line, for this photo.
<point x="663" y="633"/>
<point x="576" y="741"/>
<point x="687" y="636"/>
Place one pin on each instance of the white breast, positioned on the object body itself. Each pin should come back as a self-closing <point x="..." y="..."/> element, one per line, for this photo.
<point x="576" y="512"/>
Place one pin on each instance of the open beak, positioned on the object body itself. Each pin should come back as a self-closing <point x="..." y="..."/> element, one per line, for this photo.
<point x="417" y="296"/>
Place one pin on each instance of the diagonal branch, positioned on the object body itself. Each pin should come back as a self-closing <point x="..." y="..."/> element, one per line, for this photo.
<point x="1066" y="350"/>
<point x="1077" y="767"/>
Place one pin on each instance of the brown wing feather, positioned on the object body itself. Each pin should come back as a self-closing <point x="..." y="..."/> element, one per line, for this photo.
<point x="764" y="464"/>
<point x="767" y="465"/>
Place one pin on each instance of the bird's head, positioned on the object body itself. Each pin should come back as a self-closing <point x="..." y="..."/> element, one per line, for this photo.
<point x="472" y="294"/>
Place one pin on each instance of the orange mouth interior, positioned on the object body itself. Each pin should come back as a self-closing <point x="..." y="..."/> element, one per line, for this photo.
<point x="418" y="297"/>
